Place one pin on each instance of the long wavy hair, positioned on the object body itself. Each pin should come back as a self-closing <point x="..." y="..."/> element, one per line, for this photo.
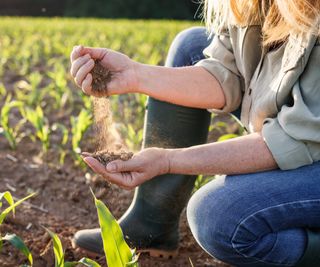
<point x="278" y="18"/>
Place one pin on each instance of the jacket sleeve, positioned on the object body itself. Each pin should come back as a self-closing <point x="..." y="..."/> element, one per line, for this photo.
<point x="293" y="137"/>
<point x="220" y="62"/>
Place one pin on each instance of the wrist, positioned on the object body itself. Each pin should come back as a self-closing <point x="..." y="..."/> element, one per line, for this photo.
<point x="139" y="74"/>
<point x="168" y="160"/>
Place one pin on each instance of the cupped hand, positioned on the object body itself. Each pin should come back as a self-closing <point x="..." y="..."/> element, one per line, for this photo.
<point x="122" y="68"/>
<point x="143" y="166"/>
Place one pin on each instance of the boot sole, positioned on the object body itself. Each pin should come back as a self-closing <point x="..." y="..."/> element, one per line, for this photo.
<point x="155" y="253"/>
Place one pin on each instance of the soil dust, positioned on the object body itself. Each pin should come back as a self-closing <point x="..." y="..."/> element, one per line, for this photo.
<point x="107" y="147"/>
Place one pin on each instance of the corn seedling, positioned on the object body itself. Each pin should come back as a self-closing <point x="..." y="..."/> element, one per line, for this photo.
<point x="59" y="254"/>
<point x="133" y="138"/>
<point x="18" y="243"/>
<point x="12" y="205"/>
<point x="117" y="251"/>
<point x="41" y="125"/>
<point x="12" y="134"/>
<point x="59" y="89"/>
<point x="79" y="126"/>
<point x="12" y="238"/>
<point x="64" y="140"/>
<point x="3" y="90"/>
<point x="29" y="91"/>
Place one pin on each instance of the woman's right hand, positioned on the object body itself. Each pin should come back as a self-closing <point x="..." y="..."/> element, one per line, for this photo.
<point x="123" y="69"/>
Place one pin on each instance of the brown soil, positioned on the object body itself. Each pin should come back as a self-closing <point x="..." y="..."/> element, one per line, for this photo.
<point x="100" y="78"/>
<point x="105" y="156"/>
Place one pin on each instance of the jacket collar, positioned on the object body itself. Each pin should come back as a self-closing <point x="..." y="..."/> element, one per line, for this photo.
<point x="298" y="50"/>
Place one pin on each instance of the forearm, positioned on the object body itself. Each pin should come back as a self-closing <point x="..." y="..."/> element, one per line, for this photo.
<point x="246" y="154"/>
<point x="186" y="86"/>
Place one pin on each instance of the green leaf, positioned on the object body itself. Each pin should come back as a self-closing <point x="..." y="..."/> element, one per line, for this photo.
<point x="89" y="263"/>
<point x="20" y="245"/>
<point x="57" y="249"/>
<point x="7" y="196"/>
<point x="226" y="137"/>
<point x="4" y="214"/>
<point x="117" y="252"/>
<point x="70" y="264"/>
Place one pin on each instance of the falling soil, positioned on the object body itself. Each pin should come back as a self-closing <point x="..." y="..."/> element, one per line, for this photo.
<point x="107" y="147"/>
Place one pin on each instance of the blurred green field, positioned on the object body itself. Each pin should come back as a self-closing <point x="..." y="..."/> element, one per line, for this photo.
<point x="34" y="60"/>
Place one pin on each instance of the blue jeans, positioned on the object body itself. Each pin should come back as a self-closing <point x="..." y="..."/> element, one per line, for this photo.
<point x="255" y="219"/>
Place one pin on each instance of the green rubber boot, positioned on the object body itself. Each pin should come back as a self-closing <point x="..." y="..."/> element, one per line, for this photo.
<point x="311" y="256"/>
<point x="151" y="224"/>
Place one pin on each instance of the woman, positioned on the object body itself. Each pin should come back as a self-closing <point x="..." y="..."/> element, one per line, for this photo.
<point x="264" y="60"/>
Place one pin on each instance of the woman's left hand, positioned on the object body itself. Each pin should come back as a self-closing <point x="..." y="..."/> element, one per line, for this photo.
<point x="143" y="166"/>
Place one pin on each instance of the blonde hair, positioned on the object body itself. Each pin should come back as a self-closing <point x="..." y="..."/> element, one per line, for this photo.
<point x="278" y="18"/>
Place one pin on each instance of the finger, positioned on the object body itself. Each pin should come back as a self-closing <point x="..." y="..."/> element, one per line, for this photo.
<point x="86" y="154"/>
<point x="76" y="65"/>
<point x="95" y="165"/>
<point x="87" y="84"/>
<point x="124" y="180"/>
<point x="96" y="53"/>
<point x="83" y="72"/>
<point x="115" y="178"/>
<point x="77" y="51"/>
<point x="123" y="166"/>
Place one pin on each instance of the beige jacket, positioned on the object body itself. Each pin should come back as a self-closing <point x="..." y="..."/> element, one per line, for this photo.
<point x="279" y="91"/>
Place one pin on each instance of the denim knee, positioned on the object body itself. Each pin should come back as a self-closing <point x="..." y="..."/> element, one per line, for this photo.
<point x="256" y="219"/>
<point x="187" y="47"/>
<point x="209" y="222"/>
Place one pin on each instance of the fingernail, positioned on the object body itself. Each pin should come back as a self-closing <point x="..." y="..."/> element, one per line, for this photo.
<point x="111" y="167"/>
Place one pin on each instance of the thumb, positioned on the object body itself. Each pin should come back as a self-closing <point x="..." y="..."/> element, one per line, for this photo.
<point x="122" y="166"/>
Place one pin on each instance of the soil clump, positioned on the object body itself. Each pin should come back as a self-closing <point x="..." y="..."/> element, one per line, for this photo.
<point x="100" y="78"/>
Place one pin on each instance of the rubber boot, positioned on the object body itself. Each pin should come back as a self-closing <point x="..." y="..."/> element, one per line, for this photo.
<point x="151" y="224"/>
<point x="311" y="256"/>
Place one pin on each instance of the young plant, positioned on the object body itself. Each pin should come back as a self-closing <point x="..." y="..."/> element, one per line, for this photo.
<point x="18" y="243"/>
<point x="79" y="126"/>
<point x="41" y="125"/>
<point x="12" y="238"/>
<point x="64" y="140"/>
<point x="117" y="251"/>
<point x="133" y="138"/>
<point x="12" y="134"/>
<point x="3" y="90"/>
<point x="29" y="91"/>
<point x="58" y="89"/>
<point x="59" y="254"/>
